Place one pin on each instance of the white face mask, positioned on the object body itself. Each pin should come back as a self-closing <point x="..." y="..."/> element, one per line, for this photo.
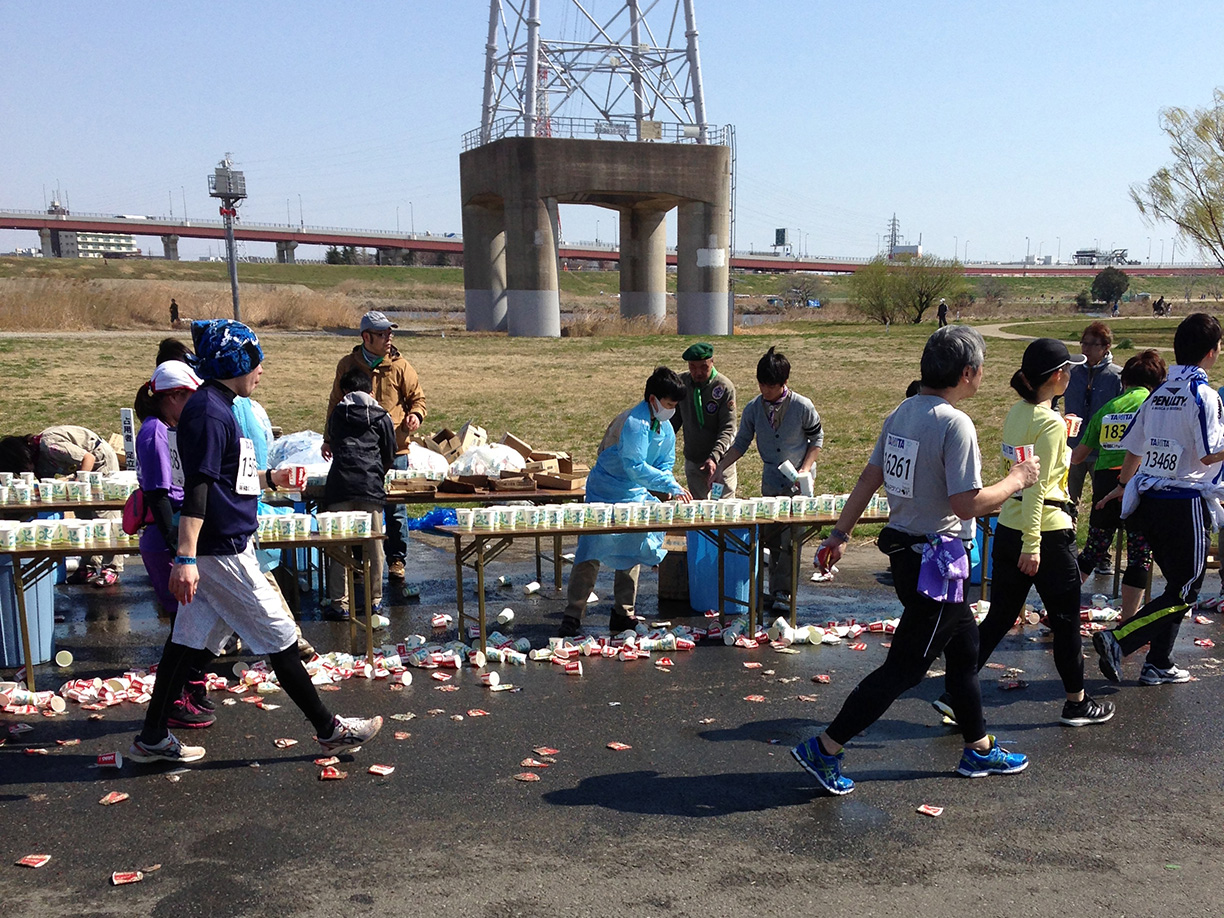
<point x="661" y="413"/>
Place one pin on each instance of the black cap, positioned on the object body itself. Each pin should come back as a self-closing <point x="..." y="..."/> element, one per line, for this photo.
<point x="1044" y="356"/>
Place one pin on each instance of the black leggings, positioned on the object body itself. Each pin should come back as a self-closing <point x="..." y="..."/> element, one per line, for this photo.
<point x="1179" y="532"/>
<point x="1058" y="584"/>
<point x="927" y="629"/>
<point x="179" y="661"/>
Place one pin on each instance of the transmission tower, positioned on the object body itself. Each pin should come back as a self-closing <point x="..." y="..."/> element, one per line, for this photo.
<point x="894" y="235"/>
<point x="634" y="76"/>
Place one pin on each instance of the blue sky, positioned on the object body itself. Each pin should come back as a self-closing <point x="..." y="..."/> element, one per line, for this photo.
<point x="976" y="123"/>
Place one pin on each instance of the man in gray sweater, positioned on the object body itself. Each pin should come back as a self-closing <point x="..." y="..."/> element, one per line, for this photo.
<point x="786" y="426"/>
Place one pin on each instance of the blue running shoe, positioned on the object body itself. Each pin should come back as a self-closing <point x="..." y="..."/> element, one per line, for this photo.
<point x="824" y="768"/>
<point x="998" y="761"/>
<point x="1110" y="653"/>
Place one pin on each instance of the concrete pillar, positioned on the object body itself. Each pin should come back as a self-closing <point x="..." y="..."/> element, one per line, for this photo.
<point x="484" y="267"/>
<point x="390" y="256"/>
<point x="703" y="265"/>
<point x="533" y="303"/>
<point x="643" y="262"/>
<point x="284" y="252"/>
<point x="170" y="247"/>
<point x="44" y="236"/>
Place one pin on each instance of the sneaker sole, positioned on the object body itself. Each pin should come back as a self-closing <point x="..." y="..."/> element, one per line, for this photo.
<point x="1086" y="721"/>
<point x="945" y="711"/>
<point x="986" y="773"/>
<point x="184" y="725"/>
<point x="819" y="778"/>
<point x="1177" y="681"/>
<point x="1110" y="667"/>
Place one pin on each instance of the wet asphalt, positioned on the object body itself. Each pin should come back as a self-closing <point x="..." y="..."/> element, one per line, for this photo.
<point x="706" y="814"/>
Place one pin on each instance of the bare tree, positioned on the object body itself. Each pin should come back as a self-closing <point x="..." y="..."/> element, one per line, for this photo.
<point x="920" y="282"/>
<point x="871" y="291"/>
<point x="1189" y="192"/>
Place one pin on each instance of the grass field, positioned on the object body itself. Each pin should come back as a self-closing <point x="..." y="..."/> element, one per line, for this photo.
<point x="555" y="394"/>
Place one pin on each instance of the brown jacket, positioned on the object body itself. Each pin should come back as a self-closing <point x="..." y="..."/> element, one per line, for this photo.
<point x="395" y="387"/>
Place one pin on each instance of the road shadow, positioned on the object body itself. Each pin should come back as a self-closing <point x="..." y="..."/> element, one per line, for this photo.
<point x="649" y="793"/>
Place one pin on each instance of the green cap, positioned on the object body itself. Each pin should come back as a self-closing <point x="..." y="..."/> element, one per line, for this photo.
<point x="698" y="351"/>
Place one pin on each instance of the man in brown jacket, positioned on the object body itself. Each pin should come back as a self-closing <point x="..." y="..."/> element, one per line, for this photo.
<point x="396" y="387"/>
<point x="707" y="418"/>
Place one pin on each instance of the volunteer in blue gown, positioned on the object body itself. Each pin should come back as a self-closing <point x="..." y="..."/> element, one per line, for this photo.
<point x="635" y="463"/>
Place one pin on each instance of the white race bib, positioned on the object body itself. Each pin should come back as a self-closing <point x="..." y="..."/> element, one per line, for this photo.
<point x="1113" y="426"/>
<point x="176" y="464"/>
<point x="1161" y="457"/>
<point x="900" y="457"/>
<point x="247" y="482"/>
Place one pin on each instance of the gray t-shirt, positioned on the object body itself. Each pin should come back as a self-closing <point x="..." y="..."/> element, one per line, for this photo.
<point x="928" y="450"/>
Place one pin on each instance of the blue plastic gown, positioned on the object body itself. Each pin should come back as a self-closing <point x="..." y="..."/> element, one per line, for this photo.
<point x="640" y="460"/>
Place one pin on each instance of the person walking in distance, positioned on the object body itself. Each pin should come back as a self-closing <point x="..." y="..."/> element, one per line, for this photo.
<point x="927" y="459"/>
<point x="215" y="576"/>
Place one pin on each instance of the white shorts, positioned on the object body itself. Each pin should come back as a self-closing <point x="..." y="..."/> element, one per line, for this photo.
<point x="234" y="595"/>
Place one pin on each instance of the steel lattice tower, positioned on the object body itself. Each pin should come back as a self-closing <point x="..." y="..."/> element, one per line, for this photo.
<point x="634" y="76"/>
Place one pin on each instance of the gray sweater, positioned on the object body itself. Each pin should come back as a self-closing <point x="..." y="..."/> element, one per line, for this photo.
<point x="799" y="429"/>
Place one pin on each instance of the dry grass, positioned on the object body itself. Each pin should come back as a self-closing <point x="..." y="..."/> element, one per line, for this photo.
<point x="589" y="324"/>
<point x="75" y="304"/>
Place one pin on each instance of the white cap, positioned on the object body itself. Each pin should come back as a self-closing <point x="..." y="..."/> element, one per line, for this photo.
<point x="173" y="374"/>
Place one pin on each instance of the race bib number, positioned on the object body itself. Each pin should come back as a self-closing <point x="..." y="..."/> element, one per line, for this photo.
<point x="176" y="464"/>
<point x="247" y="483"/>
<point x="1160" y="457"/>
<point x="1018" y="453"/>
<point x="900" y="456"/>
<point x="1113" y="426"/>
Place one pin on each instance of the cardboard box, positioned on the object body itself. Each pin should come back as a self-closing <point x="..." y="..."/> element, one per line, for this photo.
<point x="542" y="465"/>
<point x="517" y="445"/>
<point x="471" y="435"/>
<point x="512" y="484"/>
<point x="541" y="454"/>
<point x="445" y="442"/>
<point x="568" y="466"/>
<point x="561" y="481"/>
<point x="411" y="485"/>
<point x="455" y="486"/>
<point x="476" y="481"/>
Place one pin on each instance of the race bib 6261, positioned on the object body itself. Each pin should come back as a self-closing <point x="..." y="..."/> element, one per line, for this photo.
<point x="900" y="456"/>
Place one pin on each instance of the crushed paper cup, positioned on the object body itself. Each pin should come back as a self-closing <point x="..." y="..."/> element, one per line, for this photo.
<point x="532" y="763"/>
<point x="284" y="742"/>
<point x="123" y="877"/>
<point x="332" y="773"/>
<point x="114" y="797"/>
<point x="619" y="747"/>
<point x="927" y="810"/>
<point x="381" y="770"/>
<point x="527" y="776"/>
<point x="34" y="860"/>
<point x="545" y="750"/>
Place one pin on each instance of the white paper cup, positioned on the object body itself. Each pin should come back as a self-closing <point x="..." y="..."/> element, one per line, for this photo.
<point x="506" y="616"/>
<point x="667" y="512"/>
<point x="8" y="538"/>
<point x="63" y="658"/>
<point x="284" y="526"/>
<point x="46" y="532"/>
<point x="465" y="519"/>
<point x="784" y="507"/>
<point x="100" y="530"/>
<point x="26" y="535"/>
<point x="622" y="514"/>
<point x="602" y="515"/>
<point x="483" y="518"/>
<point x="5" y="494"/>
<point x="301" y="525"/>
<point x="6" y="478"/>
<point x="361" y="524"/>
<point x="686" y="512"/>
<point x="46" y="490"/>
<point x="59" y="489"/>
<point x="20" y="492"/>
<point x="76" y="533"/>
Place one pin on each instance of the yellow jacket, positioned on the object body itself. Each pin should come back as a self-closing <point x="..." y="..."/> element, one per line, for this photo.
<point x="1046" y="432"/>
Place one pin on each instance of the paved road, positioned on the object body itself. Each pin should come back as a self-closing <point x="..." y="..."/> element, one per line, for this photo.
<point x="705" y="815"/>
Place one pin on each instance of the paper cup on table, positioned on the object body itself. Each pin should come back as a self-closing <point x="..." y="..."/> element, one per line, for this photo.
<point x="465" y="519"/>
<point x="574" y="514"/>
<point x="685" y="512"/>
<point x="483" y="518"/>
<point x="361" y="525"/>
<point x="95" y="479"/>
<point x="45" y="490"/>
<point x="76" y="533"/>
<point x="6" y="478"/>
<point x="284" y="526"/>
<point x="301" y="525"/>
<point x="20" y="492"/>
<point x="622" y="514"/>
<point x="5" y="494"/>
<point x="45" y="532"/>
<point x="784" y="507"/>
<point x="602" y="515"/>
<point x="27" y="537"/>
<point x="73" y="490"/>
<point x="667" y="512"/>
<point x="59" y="489"/>
<point x="8" y="537"/>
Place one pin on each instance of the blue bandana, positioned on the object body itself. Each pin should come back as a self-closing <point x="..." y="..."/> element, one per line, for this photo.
<point x="224" y="349"/>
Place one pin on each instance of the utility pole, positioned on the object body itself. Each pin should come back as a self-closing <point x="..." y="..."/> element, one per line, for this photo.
<point x="230" y="187"/>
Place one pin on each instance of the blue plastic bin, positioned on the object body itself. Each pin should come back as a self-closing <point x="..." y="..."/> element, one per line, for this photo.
<point x="975" y="556"/>
<point x="40" y="608"/>
<point x="703" y="574"/>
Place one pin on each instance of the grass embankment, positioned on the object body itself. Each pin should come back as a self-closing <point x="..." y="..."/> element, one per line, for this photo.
<point x="555" y="394"/>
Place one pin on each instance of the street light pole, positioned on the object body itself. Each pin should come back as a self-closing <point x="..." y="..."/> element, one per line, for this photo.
<point x="1149" y="258"/>
<point x="411" y="220"/>
<point x="301" y="219"/>
<point x="966" y="251"/>
<point x="1058" y="257"/>
<point x="955" y="246"/>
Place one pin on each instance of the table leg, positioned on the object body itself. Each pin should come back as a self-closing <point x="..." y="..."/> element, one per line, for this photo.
<point x="721" y="544"/>
<point x="27" y="650"/>
<point x="753" y="576"/>
<point x="986" y="534"/>
<point x="539" y="563"/>
<point x="1121" y="537"/>
<point x="459" y="584"/>
<point x="480" y="588"/>
<point x="369" y="598"/>
<point x="557" y="563"/>
<point x="796" y="555"/>
<point x="351" y="580"/>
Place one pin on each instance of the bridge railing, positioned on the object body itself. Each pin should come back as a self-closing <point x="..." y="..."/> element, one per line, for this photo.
<point x="598" y="129"/>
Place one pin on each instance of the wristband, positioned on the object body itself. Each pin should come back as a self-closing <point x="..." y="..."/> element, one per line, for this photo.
<point x="184" y="559"/>
<point x="268" y="479"/>
<point x="839" y="535"/>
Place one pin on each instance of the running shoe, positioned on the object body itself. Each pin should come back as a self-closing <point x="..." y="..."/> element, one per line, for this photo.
<point x="184" y="714"/>
<point x="168" y="750"/>
<point x="570" y="627"/>
<point x="997" y="761"/>
<point x="197" y="693"/>
<point x="1086" y="712"/>
<point x="943" y="704"/>
<point x="1153" y="675"/>
<point x="335" y="612"/>
<point x="106" y="577"/>
<point x="1110" y="653"/>
<point x="350" y="733"/>
<point x="824" y="768"/>
<point x="305" y="649"/>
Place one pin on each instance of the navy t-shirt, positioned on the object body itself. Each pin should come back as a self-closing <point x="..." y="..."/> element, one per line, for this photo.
<point x="209" y="443"/>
